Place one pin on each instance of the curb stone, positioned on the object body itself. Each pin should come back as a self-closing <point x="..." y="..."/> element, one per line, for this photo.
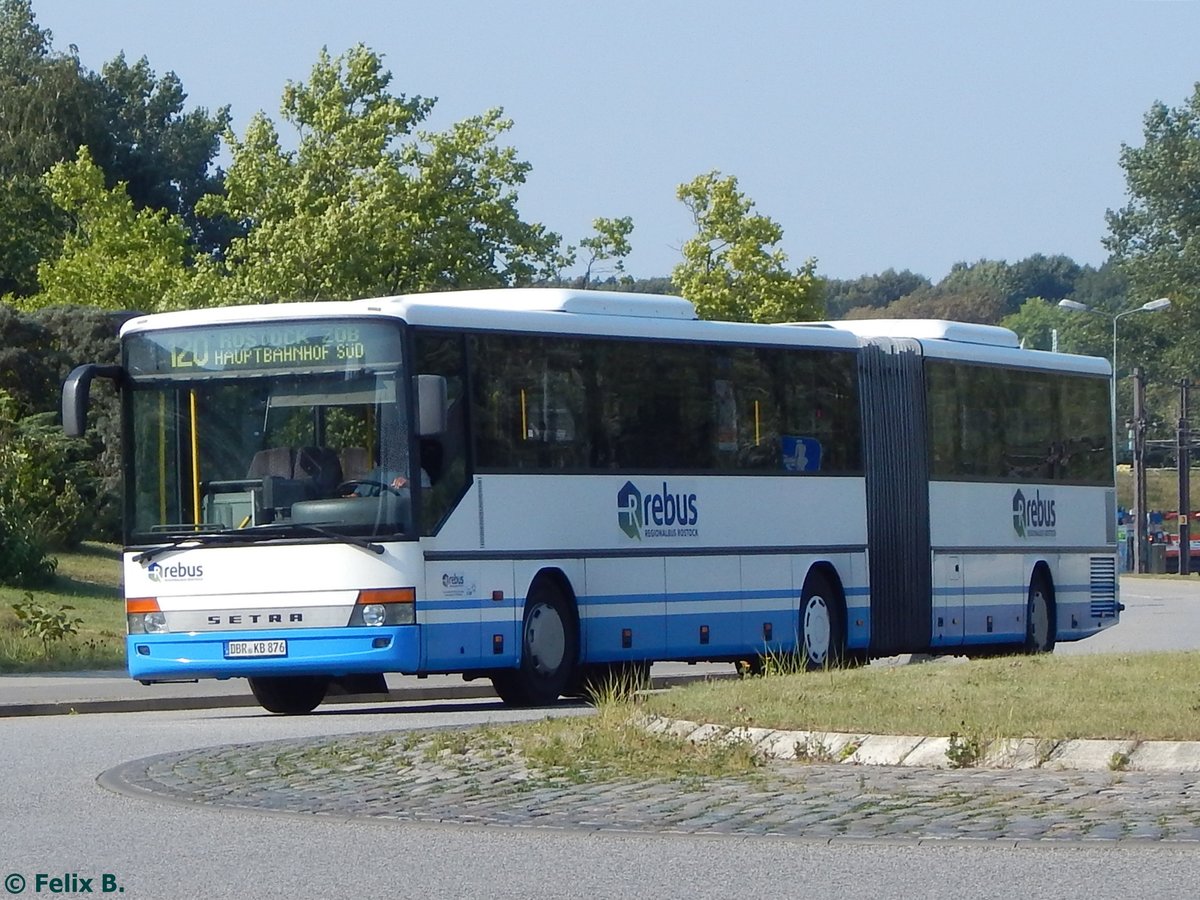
<point x="933" y="752"/>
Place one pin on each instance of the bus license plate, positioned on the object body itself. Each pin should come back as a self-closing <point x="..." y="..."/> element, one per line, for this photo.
<point x="238" y="649"/>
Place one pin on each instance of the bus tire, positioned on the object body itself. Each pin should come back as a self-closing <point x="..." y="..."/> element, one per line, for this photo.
<point x="549" y="650"/>
<point x="821" y="642"/>
<point x="1040" y="615"/>
<point x="290" y="695"/>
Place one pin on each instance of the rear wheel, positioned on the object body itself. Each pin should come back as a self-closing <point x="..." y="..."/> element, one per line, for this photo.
<point x="549" y="651"/>
<point x="1040" y="619"/>
<point x="290" y="695"/>
<point x="822" y="630"/>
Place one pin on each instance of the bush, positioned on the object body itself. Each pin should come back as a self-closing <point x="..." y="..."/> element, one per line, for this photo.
<point x="23" y="559"/>
<point x="47" y="625"/>
<point x="46" y="487"/>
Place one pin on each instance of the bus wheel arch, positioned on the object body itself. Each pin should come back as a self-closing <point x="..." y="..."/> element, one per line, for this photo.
<point x="821" y="624"/>
<point x="1041" y="611"/>
<point x="549" y="644"/>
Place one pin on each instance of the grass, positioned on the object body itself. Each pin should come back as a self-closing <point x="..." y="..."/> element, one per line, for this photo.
<point x="1150" y="696"/>
<point x="1162" y="488"/>
<point x="1143" y="696"/>
<point x="89" y="580"/>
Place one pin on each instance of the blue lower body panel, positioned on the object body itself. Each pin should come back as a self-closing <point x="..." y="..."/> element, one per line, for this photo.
<point x="310" y="651"/>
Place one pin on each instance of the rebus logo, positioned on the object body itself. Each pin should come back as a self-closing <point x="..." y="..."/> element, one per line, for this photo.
<point x="157" y="572"/>
<point x="664" y="513"/>
<point x="1034" y="516"/>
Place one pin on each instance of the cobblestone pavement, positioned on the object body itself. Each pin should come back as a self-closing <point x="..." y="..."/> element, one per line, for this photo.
<point x="418" y="778"/>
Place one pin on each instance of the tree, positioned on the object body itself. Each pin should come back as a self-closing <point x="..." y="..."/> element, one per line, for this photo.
<point x="873" y="291"/>
<point x="28" y="363"/>
<point x="1039" y="321"/>
<point x="610" y="242"/>
<point x="1049" y="277"/>
<point x="83" y="334"/>
<point x="162" y="154"/>
<point x="366" y="205"/>
<point x="733" y="268"/>
<point x="1155" y="237"/>
<point x="47" y="107"/>
<point x="132" y="122"/>
<point x="965" y="304"/>
<point x="114" y="257"/>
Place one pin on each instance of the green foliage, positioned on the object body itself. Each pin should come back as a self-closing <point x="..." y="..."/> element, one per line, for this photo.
<point x="48" y="105"/>
<point x="28" y="362"/>
<point x="610" y="242"/>
<point x="45" y="488"/>
<point x="1155" y="238"/>
<point x="1037" y="321"/>
<point x="23" y="558"/>
<point x="985" y="291"/>
<point x="965" y="750"/>
<point x="366" y="205"/>
<point x="114" y="257"/>
<point x="162" y="154"/>
<point x="132" y="122"/>
<point x="44" y="624"/>
<point x="873" y="291"/>
<point x="981" y="303"/>
<point x="31" y="229"/>
<point x="732" y="268"/>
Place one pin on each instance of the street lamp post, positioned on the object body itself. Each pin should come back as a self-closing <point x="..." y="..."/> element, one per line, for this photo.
<point x="1150" y="306"/>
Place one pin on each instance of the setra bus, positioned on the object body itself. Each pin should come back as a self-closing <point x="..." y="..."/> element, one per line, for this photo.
<point x="536" y="485"/>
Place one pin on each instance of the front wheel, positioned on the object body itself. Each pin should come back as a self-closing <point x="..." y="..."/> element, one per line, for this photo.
<point x="822" y="631"/>
<point x="549" y="651"/>
<point x="290" y="695"/>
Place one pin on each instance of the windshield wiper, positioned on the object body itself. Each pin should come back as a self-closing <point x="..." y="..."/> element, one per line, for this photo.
<point x="202" y="537"/>
<point x="256" y="533"/>
<point x="332" y="535"/>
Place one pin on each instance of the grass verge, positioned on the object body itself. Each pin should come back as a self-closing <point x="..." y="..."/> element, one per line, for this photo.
<point x="89" y="581"/>
<point x="1148" y="696"/>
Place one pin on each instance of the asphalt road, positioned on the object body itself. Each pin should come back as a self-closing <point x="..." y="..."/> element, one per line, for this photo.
<point x="57" y="822"/>
<point x="1160" y="614"/>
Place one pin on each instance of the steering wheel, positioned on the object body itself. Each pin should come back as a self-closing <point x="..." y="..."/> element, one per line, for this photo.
<point x="375" y="488"/>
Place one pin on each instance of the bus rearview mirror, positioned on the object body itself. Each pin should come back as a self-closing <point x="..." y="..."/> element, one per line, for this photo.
<point x="431" y="405"/>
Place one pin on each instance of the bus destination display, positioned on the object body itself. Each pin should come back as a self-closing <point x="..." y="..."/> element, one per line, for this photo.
<point x="285" y="346"/>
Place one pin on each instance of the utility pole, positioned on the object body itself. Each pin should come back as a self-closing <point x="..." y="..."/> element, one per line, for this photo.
<point x="1184" y="463"/>
<point x="1141" y="520"/>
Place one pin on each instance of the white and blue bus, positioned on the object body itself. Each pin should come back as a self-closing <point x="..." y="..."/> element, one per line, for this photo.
<point x="534" y="485"/>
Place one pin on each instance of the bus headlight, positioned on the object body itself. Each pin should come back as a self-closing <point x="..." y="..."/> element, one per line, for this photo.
<point x="143" y="616"/>
<point x="147" y="623"/>
<point x="385" y="606"/>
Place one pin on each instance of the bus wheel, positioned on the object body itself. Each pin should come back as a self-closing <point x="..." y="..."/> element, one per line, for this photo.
<point x="549" y="651"/>
<point x="1039" y="615"/>
<point x="822" y="624"/>
<point x="291" y="695"/>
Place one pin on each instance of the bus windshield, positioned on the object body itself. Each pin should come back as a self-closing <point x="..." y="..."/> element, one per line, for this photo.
<point x="298" y="439"/>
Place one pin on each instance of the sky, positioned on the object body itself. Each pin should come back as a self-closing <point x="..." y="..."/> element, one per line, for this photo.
<point x="906" y="135"/>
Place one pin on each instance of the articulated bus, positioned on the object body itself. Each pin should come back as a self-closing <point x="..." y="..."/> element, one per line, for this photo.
<point x="539" y="485"/>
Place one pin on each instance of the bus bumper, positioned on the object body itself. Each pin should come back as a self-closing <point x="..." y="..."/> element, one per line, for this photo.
<point x="310" y="651"/>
